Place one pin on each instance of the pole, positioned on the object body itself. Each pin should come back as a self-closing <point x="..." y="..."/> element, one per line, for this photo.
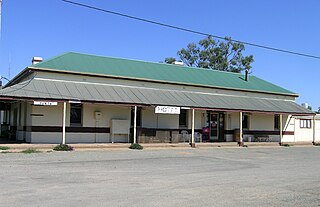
<point x="64" y="123"/>
<point x="135" y="126"/>
<point x="192" y="131"/>
<point x="240" y="129"/>
<point x="281" y="134"/>
<point x="314" y="130"/>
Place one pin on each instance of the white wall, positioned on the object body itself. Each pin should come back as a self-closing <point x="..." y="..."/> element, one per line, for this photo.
<point x="52" y="115"/>
<point x="317" y="132"/>
<point x="199" y="119"/>
<point x="261" y="122"/>
<point x="148" y="118"/>
<point x="108" y="112"/>
<point x="303" y="134"/>
<point x="152" y="120"/>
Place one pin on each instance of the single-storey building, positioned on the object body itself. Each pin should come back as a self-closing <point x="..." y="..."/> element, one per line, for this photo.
<point x="80" y="98"/>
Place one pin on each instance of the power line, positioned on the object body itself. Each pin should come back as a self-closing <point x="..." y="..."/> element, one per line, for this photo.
<point x="192" y="31"/>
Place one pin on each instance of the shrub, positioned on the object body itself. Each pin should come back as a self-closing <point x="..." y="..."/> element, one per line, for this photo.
<point x="317" y="144"/>
<point x="4" y="148"/>
<point x="5" y="152"/>
<point x="63" y="147"/>
<point x="136" y="146"/>
<point x="30" y="150"/>
<point x="286" y="145"/>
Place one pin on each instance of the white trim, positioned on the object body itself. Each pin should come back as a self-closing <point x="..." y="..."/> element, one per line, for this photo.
<point x="64" y="123"/>
<point x="135" y="125"/>
<point x="240" y="127"/>
<point x="192" y="130"/>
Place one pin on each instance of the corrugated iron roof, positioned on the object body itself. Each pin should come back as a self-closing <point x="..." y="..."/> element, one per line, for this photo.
<point x="46" y="89"/>
<point x="123" y="68"/>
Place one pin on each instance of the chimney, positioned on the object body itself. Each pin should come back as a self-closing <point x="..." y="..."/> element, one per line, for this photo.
<point x="305" y="105"/>
<point x="178" y="63"/>
<point x="246" y="75"/>
<point x="36" y="60"/>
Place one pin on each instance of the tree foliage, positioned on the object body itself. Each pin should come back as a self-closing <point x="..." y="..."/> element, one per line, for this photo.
<point x="215" y="54"/>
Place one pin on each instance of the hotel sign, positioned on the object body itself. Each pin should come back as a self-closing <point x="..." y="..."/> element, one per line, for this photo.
<point x="45" y="103"/>
<point x="167" y="110"/>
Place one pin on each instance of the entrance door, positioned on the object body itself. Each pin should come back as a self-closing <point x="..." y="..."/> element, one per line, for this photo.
<point x="214" y="126"/>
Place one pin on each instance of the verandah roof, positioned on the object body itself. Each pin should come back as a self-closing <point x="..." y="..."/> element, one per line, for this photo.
<point x="42" y="89"/>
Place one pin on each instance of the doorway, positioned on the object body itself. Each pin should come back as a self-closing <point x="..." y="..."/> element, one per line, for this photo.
<point x="214" y="129"/>
<point x="215" y="122"/>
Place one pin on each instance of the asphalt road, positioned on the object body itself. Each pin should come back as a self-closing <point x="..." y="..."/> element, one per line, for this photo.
<point x="188" y="177"/>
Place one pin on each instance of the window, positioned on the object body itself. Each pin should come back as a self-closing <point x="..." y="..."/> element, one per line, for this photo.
<point x="276" y="121"/>
<point x="75" y="114"/>
<point x="305" y="123"/>
<point x="138" y="116"/>
<point x="245" y="121"/>
<point x="183" y="117"/>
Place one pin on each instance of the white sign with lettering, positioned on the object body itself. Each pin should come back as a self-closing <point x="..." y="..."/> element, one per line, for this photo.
<point x="167" y="110"/>
<point x="45" y="103"/>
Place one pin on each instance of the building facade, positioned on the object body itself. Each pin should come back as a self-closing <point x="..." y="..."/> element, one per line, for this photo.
<point x="79" y="98"/>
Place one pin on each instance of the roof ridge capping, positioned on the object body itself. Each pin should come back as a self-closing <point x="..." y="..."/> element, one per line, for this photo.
<point x="79" y="63"/>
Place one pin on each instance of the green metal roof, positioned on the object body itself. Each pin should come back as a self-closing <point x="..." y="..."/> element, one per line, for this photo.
<point x="117" y="67"/>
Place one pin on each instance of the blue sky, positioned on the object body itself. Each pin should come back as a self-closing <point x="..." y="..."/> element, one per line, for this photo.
<point x="49" y="28"/>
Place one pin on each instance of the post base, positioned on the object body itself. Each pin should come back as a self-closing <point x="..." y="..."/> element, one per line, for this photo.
<point x="193" y="145"/>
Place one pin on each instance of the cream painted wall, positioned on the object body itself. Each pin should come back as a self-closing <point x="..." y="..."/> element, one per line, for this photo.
<point x="303" y="134"/>
<point x="169" y="121"/>
<point x="317" y="137"/>
<point x="234" y="120"/>
<point x="148" y="118"/>
<point x="52" y="115"/>
<point x="199" y="119"/>
<point x="261" y="122"/>
<point x="109" y="112"/>
<point x="289" y="126"/>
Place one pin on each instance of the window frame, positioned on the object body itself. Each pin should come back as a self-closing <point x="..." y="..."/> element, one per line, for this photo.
<point x="76" y="106"/>
<point x="305" y="123"/>
<point x="185" y="114"/>
<point x="247" y="121"/>
<point x="276" y="122"/>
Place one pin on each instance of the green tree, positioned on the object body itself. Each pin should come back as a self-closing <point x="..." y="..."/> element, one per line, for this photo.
<point x="215" y="54"/>
<point x="170" y="60"/>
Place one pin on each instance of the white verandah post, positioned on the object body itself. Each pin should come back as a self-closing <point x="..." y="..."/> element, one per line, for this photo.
<point x="240" y="129"/>
<point x="135" y="125"/>
<point x="280" y="129"/>
<point x="314" y="130"/>
<point x="64" y="123"/>
<point x="192" y="131"/>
